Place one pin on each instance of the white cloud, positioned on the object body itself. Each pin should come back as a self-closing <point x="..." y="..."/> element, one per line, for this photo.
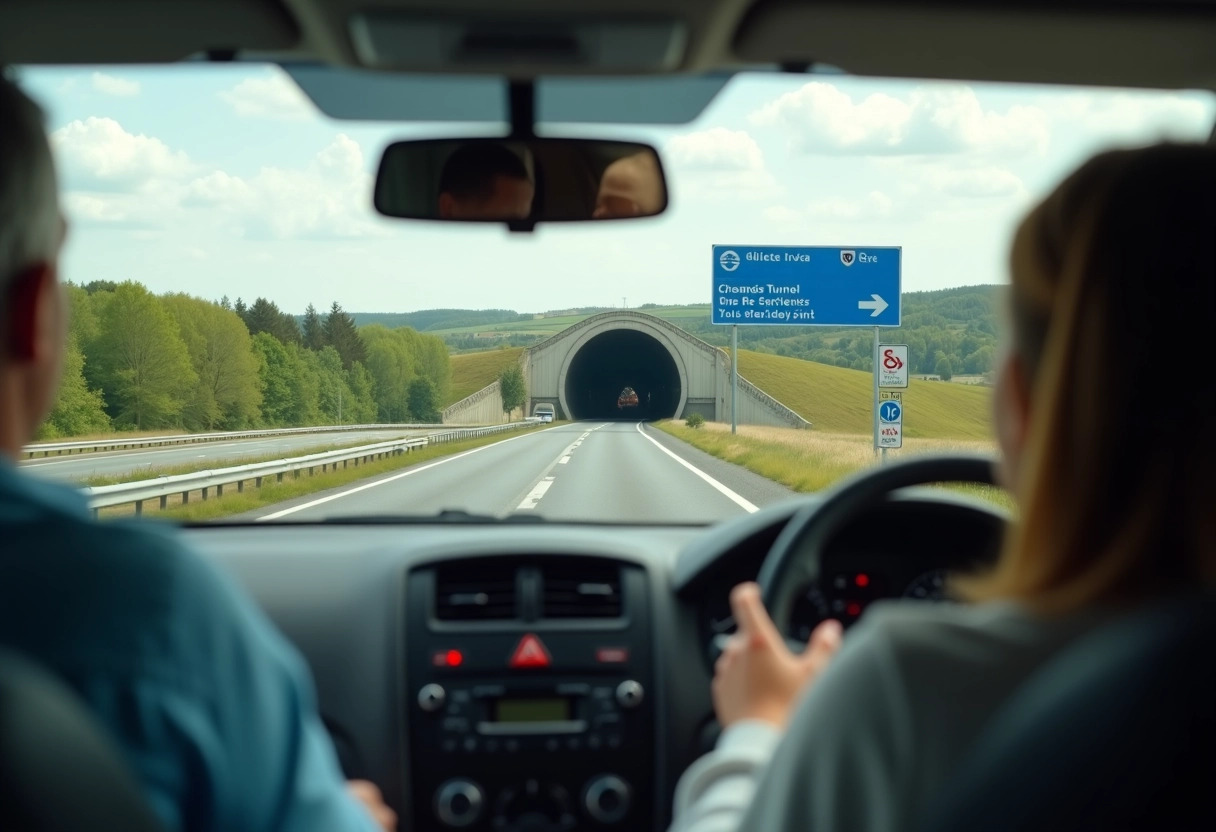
<point x="976" y="183"/>
<point x="782" y="214"/>
<point x="328" y="198"/>
<point x="98" y="154"/>
<point x="875" y="205"/>
<point x="275" y="97"/>
<point x="1133" y="116"/>
<point x="718" y="166"/>
<point x="820" y="118"/>
<point x="716" y="149"/>
<point x="110" y="85"/>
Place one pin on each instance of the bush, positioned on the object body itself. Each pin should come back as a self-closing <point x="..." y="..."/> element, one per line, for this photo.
<point x="695" y="421"/>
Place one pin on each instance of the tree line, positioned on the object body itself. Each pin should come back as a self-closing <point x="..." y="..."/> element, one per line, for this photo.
<point x="139" y="361"/>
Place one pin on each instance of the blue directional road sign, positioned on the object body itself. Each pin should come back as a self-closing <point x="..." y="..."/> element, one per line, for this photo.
<point x="890" y="411"/>
<point x="806" y="285"/>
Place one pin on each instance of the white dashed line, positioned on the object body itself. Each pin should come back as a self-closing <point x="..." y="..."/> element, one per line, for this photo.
<point x="535" y="496"/>
<point x="564" y="460"/>
<point x="409" y="473"/>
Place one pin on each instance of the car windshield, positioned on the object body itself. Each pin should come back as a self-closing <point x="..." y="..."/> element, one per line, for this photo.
<point x="228" y="275"/>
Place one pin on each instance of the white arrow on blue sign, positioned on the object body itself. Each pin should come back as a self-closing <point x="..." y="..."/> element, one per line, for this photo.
<point x="806" y="285"/>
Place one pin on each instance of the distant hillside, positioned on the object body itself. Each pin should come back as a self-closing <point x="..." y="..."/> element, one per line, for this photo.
<point x="475" y="370"/>
<point x="427" y="320"/>
<point x="950" y="331"/>
<point x="839" y="400"/>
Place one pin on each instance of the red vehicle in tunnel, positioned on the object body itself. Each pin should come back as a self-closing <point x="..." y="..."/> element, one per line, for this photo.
<point x="628" y="398"/>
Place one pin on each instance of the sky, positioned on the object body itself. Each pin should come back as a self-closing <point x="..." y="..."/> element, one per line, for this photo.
<point x="227" y="181"/>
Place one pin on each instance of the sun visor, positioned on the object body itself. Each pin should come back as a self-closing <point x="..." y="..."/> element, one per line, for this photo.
<point x="1131" y="43"/>
<point x="365" y="95"/>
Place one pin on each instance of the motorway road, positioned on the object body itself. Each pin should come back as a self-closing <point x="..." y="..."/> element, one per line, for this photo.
<point x="218" y="454"/>
<point x="602" y="471"/>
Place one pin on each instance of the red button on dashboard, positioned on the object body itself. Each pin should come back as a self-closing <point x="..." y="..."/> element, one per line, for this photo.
<point x="612" y="655"/>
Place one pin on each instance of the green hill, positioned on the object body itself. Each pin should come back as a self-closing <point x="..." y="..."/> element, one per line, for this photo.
<point x="833" y="399"/>
<point x="839" y="400"/>
<point x="473" y="371"/>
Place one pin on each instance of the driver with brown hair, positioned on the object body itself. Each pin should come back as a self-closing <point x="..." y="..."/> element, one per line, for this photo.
<point x="862" y="734"/>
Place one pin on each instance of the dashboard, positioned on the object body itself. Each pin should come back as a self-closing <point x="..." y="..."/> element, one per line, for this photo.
<point x="552" y="677"/>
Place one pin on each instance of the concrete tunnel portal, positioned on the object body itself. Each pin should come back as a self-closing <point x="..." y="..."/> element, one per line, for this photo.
<point x="610" y="361"/>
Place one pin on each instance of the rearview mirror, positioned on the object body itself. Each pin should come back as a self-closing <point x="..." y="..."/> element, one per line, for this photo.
<point x="520" y="181"/>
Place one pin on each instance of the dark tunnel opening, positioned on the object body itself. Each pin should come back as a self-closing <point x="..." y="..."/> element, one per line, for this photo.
<point x="617" y="359"/>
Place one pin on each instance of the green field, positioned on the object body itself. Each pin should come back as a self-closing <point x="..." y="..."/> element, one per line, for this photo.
<point x="833" y="399"/>
<point x="473" y="371"/>
<point x="837" y="400"/>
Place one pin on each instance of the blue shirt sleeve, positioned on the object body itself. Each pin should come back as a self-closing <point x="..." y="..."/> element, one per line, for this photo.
<point x="222" y="724"/>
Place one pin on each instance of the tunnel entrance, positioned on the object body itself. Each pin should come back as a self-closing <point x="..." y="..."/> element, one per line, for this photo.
<point x="614" y="360"/>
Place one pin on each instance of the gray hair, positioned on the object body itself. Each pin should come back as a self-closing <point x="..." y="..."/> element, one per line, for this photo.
<point x="29" y="199"/>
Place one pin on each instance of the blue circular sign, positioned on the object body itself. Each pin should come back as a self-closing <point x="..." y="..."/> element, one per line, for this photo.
<point x="889" y="411"/>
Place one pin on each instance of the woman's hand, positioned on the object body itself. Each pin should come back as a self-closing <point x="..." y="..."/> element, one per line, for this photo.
<point x="757" y="677"/>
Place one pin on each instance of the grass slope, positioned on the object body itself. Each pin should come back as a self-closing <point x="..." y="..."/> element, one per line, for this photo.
<point x="474" y="370"/>
<point x="837" y="400"/>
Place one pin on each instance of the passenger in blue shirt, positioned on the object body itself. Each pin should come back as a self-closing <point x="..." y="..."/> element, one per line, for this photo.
<point x="213" y="708"/>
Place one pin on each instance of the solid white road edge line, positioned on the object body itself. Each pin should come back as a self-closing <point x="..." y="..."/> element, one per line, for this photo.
<point x="276" y="515"/>
<point x="744" y="504"/>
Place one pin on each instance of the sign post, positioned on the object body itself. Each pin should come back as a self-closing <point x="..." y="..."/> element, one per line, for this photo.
<point x="734" y="373"/>
<point x="807" y="286"/>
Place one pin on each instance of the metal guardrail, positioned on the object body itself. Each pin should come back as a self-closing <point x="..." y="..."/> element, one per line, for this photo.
<point x="162" y="488"/>
<point x="59" y="448"/>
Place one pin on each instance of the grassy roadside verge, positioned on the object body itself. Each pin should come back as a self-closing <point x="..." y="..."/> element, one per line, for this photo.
<point x="151" y="472"/>
<point x="809" y="461"/>
<point x="271" y="492"/>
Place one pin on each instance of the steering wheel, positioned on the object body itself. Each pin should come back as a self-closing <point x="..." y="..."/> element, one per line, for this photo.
<point x="796" y="557"/>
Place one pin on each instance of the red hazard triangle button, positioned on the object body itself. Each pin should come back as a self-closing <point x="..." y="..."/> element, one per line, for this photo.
<point x="530" y="652"/>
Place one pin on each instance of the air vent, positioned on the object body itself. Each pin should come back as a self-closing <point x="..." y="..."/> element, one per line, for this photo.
<point x="480" y="591"/>
<point x="579" y="590"/>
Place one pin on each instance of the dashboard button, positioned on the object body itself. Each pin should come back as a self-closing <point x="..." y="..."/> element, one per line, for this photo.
<point x="612" y="655"/>
<point x="432" y="697"/>
<point x="458" y="803"/>
<point x="606" y="799"/>
<point x="629" y="693"/>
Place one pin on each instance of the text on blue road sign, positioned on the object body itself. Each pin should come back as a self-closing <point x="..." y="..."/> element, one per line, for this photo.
<point x="806" y="285"/>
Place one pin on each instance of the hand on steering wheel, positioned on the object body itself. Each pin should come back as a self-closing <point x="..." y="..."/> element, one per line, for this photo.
<point x="757" y="676"/>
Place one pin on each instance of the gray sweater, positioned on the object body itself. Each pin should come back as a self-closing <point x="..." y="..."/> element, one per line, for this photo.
<point x="881" y="730"/>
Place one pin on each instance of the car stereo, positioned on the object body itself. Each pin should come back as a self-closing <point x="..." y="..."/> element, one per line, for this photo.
<point x="537" y="725"/>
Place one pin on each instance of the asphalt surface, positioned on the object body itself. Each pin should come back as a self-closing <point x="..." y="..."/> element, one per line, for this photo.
<point x="599" y="471"/>
<point x="76" y="467"/>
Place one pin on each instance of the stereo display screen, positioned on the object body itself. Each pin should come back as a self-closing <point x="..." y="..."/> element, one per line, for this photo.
<point x="552" y="709"/>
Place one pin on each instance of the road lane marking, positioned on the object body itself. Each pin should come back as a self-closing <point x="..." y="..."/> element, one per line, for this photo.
<point x="535" y="495"/>
<point x="284" y="512"/>
<point x="744" y="504"/>
<point x="562" y="458"/>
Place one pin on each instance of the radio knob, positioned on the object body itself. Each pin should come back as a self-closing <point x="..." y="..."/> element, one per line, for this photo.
<point x="606" y="799"/>
<point x="458" y="803"/>
<point x="629" y="693"/>
<point x="432" y="697"/>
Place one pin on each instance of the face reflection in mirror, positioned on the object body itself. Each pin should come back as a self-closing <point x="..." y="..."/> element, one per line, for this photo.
<point x="485" y="181"/>
<point x="630" y="187"/>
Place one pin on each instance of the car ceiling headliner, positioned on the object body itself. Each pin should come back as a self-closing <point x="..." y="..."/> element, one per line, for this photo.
<point x="1147" y="43"/>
